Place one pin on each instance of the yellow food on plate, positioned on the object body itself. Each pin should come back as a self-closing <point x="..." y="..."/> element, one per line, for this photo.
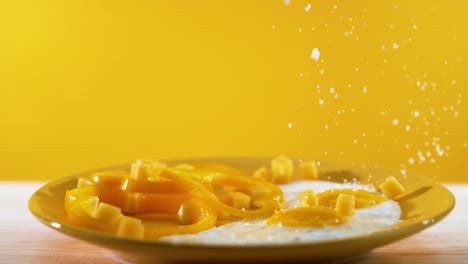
<point x="345" y="204"/>
<point x="152" y="200"/>
<point x="308" y="170"/>
<point x="308" y="198"/>
<point x="391" y="187"/>
<point x="282" y="170"/>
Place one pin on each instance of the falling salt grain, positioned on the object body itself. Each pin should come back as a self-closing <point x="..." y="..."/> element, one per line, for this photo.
<point x="307" y="8"/>
<point x="395" y="122"/>
<point x="321" y="101"/>
<point x="315" y="54"/>
<point x="364" y="89"/>
<point x="290" y="125"/>
<point x="408" y="128"/>
<point x="395" y="45"/>
<point x="332" y="90"/>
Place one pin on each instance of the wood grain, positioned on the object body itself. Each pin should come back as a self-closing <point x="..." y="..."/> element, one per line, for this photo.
<point x="24" y="240"/>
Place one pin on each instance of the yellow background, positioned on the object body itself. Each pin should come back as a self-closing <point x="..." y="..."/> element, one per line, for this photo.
<point x="86" y="84"/>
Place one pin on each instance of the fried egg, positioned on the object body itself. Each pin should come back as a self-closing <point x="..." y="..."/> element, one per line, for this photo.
<point x="251" y="232"/>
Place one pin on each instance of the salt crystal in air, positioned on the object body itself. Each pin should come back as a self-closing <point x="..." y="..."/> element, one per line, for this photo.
<point x="290" y="125"/>
<point x="315" y="54"/>
<point x="287" y="2"/>
<point x="364" y="89"/>
<point x="321" y="101"/>
<point x="395" y="122"/>
<point x="395" y="45"/>
<point x="332" y="90"/>
<point x="307" y="8"/>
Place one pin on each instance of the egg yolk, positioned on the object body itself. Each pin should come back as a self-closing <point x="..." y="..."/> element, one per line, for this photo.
<point x="307" y="217"/>
<point x="362" y="198"/>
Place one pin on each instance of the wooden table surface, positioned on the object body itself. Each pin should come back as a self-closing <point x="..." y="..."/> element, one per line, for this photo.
<point x="24" y="240"/>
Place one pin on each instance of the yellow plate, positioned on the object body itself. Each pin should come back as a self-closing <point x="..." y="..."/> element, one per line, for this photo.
<point x="425" y="203"/>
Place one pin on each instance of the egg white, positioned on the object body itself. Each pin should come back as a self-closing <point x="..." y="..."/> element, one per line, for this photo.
<point x="364" y="221"/>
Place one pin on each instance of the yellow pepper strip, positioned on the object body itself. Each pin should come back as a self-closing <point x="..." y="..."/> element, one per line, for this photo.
<point x="206" y="221"/>
<point x="110" y="178"/>
<point x="113" y="196"/>
<point x="219" y="174"/>
<point x="131" y="203"/>
<point x="199" y="191"/>
<point x="137" y="185"/>
<point x="145" y="186"/>
<point x="155" y="203"/>
<point x="362" y="198"/>
<point x="245" y="183"/>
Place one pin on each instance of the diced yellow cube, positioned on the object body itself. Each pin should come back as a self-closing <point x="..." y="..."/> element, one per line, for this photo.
<point x="240" y="200"/>
<point x="262" y="173"/>
<point x="391" y="187"/>
<point x="107" y="213"/>
<point x="189" y="213"/>
<point x="308" y="198"/>
<point x="282" y="170"/>
<point x="345" y="204"/>
<point x="140" y="170"/>
<point x="90" y="205"/>
<point x="130" y="227"/>
<point x="308" y="170"/>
